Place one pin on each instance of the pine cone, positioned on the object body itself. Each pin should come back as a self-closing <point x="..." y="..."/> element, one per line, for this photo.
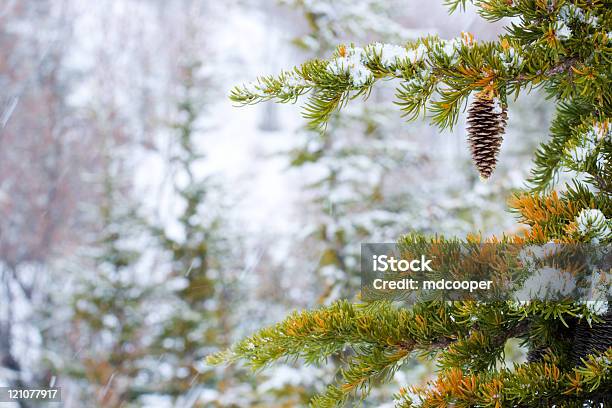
<point x="592" y="339"/>
<point x="582" y="337"/>
<point x="487" y="123"/>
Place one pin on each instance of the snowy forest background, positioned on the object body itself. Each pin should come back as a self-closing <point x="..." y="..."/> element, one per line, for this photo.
<point x="145" y="222"/>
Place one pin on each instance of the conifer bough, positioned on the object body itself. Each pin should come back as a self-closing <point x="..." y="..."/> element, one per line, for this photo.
<point x="562" y="46"/>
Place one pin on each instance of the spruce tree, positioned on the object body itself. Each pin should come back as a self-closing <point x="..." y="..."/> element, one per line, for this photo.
<point x="560" y="46"/>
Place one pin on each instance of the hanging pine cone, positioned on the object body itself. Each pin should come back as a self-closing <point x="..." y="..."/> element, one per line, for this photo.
<point x="487" y="123"/>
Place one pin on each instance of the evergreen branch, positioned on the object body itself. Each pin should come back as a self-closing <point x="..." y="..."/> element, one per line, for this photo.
<point x="379" y="337"/>
<point x="428" y="67"/>
<point x="432" y="73"/>
<point x="316" y="335"/>
<point x="548" y="385"/>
